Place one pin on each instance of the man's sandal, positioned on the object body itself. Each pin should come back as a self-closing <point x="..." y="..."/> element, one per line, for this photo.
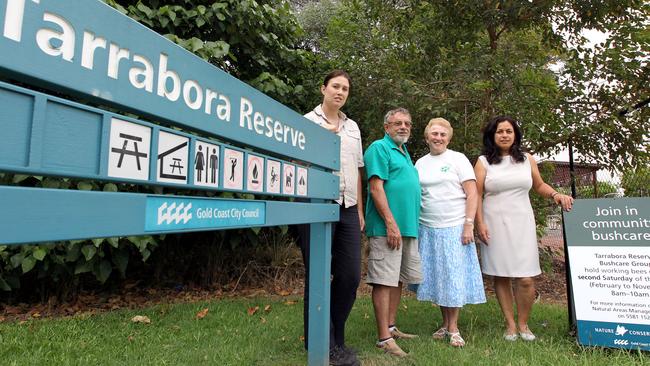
<point x="440" y="333"/>
<point x="455" y="340"/>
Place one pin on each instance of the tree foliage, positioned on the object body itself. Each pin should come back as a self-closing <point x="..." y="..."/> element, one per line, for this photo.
<point x="606" y="85"/>
<point x="468" y="61"/>
<point x="636" y="182"/>
<point x="254" y="41"/>
<point x="603" y="189"/>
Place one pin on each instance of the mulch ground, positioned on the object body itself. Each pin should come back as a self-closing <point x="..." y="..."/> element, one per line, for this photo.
<point x="551" y="287"/>
<point x="131" y="296"/>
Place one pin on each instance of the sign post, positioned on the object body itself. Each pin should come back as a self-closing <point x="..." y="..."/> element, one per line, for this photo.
<point x="319" y="310"/>
<point x="609" y="255"/>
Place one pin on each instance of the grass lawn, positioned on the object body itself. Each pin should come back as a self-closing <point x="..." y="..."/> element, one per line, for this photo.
<point x="228" y="335"/>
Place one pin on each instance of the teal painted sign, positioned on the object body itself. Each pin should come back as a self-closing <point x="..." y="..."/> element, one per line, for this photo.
<point x="606" y="222"/>
<point x="88" y="50"/>
<point x="608" y="244"/>
<point x="614" y="335"/>
<point x="39" y="214"/>
<point x="174" y="214"/>
<point x="120" y="62"/>
<point x="82" y="141"/>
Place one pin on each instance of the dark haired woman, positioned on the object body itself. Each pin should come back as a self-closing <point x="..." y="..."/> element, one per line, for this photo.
<point x="346" y="235"/>
<point x="505" y="221"/>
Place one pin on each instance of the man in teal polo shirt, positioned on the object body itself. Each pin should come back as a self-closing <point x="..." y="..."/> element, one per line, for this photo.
<point x="392" y="216"/>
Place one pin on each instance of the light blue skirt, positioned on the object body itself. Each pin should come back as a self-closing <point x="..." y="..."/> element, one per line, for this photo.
<point x="452" y="275"/>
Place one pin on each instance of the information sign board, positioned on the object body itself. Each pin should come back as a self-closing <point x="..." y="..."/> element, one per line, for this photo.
<point x="609" y="258"/>
<point x="87" y="142"/>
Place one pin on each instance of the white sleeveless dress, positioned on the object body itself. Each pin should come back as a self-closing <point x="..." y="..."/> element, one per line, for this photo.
<point x="508" y="214"/>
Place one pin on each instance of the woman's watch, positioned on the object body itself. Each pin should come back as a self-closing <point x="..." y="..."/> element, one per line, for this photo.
<point x="469" y="221"/>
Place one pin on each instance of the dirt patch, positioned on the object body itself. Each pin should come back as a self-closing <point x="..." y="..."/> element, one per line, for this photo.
<point x="131" y="296"/>
<point x="551" y="287"/>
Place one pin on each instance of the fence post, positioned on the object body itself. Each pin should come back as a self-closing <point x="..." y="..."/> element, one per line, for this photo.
<point x="319" y="293"/>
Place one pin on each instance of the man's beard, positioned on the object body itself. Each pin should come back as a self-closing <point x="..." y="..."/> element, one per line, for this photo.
<point x="400" y="139"/>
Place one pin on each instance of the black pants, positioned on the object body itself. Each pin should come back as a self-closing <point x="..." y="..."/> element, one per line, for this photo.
<point x="346" y="271"/>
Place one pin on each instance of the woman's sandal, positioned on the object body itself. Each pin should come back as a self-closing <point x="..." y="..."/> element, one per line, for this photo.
<point x="440" y="333"/>
<point x="455" y="340"/>
<point x="526" y="334"/>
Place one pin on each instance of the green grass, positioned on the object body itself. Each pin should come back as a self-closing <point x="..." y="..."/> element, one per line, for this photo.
<point x="229" y="336"/>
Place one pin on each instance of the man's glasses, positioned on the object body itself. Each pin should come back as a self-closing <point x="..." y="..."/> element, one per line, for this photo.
<point x="406" y="124"/>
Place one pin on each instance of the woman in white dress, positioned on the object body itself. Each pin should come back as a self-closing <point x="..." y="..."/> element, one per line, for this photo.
<point x="505" y="221"/>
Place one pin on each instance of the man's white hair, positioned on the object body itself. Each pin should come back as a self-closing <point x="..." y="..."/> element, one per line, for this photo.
<point x="393" y="112"/>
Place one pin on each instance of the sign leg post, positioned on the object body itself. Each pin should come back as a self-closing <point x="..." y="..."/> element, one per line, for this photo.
<point x="319" y="293"/>
<point x="569" y="289"/>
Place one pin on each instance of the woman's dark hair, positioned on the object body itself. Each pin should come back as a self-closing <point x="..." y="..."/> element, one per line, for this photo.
<point x="336" y="73"/>
<point x="491" y="151"/>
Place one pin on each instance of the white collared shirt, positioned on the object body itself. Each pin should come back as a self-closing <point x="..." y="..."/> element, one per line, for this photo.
<point x="351" y="155"/>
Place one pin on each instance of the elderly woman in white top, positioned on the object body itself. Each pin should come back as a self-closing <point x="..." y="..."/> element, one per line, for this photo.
<point x="346" y="235"/>
<point x="452" y="276"/>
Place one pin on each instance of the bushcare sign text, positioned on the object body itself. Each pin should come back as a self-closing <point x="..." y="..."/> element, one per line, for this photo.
<point x="609" y="256"/>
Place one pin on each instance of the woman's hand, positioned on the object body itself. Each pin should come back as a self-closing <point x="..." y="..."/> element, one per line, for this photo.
<point x="563" y="200"/>
<point x="468" y="234"/>
<point x="483" y="233"/>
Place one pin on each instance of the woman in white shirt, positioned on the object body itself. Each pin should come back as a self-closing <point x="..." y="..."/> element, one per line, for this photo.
<point x="452" y="276"/>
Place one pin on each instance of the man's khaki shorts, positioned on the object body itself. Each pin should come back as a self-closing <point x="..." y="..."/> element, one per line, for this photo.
<point x="388" y="267"/>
